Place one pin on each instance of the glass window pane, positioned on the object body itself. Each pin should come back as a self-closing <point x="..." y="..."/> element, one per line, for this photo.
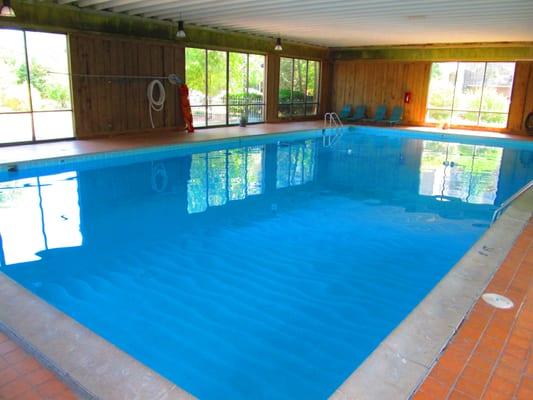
<point x="438" y="116"/>
<point x="195" y="74"/>
<point x="311" y="109"/>
<point x="312" y="81"/>
<point x="468" y="86"/>
<point x="15" y="128"/>
<point x="285" y="80"/>
<point x="238" y="67"/>
<point x="298" y="109"/>
<point x="235" y="113"/>
<point x="495" y="120"/>
<point x="465" y="117"/>
<point x="216" y="115"/>
<point x="498" y="87"/>
<point x="255" y="112"/>
<point x="198" y="116"/>
<point x="216" y="77"/>
<point x="49" y="79"/>
<point x="299" y="82"/>
<point x="53" y="125"/>
<point x="441" y="85"/>
<point x="256" y="78"/>
<point x="14" y="93"/>
<point x="284" y="110"/>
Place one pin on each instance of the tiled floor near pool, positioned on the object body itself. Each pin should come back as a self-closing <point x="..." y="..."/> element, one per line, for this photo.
<point x="490" y="357"/>
<point x="22" y="377"/>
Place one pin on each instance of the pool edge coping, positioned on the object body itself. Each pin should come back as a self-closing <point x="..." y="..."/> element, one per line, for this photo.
<point x="90" y="365"/>
<point x="402" y="361"/>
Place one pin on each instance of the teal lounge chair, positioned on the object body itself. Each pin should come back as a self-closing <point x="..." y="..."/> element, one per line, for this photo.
<point x="379" y="115"/>
<point x="396" y="116"/>
<point x="359" y="114"/>
<point x="345" y="112"/>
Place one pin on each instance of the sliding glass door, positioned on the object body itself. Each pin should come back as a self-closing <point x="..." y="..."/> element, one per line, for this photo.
<point x="35" y="100"/>
<point x="225" y="86"/>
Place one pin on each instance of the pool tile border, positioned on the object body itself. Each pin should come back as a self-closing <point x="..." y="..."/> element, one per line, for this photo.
<point x="90" y="365"/>
<point x="396" y="368"/>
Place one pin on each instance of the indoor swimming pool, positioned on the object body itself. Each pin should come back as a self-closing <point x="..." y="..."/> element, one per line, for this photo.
<point x="262" y="268"/>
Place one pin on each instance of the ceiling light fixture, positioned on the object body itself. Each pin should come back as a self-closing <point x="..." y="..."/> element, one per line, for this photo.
<point x="7" y="10"/>
<point x="278" y="47"/>
<point x="181" y="30"/>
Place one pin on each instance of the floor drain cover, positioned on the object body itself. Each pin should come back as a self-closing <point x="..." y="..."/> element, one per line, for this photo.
<point x="497" y="300"/>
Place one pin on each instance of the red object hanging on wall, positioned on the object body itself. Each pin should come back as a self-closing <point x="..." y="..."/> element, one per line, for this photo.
<point x="186" y="107"/>
<point x="407" y="97"/>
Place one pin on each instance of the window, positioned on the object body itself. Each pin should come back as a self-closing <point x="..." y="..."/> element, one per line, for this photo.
<point x="298" y="87"/>
<point x="224" y="86"/>
<point x="224" y="175"/>
<point x="35" y="99"/>
<point x="470" y="93"/>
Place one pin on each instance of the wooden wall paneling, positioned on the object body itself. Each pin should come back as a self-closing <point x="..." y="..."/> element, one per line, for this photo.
<point x="132" y="86"/>
<point x="381" y="82"/>
<point x="517" y="109"/>
<point x="528" y="107"/>
<point x="168" y="68"/>
<point x="76" y="89"/>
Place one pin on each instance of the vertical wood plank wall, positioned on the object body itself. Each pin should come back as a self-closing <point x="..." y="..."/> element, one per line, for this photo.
<point x="112" y="106"/>
<point x="385" y="82"/>
<point x="382" y="82"/>
<point x="522" y="97"/>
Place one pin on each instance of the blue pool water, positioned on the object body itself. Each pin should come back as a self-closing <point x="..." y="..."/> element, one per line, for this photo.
<point x="263" y="271"/>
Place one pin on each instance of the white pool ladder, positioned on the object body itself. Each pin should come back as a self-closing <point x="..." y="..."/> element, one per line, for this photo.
<point x="331" y="121"/>
<point x="507" y="202"/>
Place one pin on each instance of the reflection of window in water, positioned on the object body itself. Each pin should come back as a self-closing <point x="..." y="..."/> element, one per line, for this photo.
<point x="466" y="172"/>
<point x="219" y="176"/>
<point x="38" y="214"/>
<point x="296" y="163"/>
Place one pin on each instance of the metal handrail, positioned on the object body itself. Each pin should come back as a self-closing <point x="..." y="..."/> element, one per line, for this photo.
<point x="331" y="120"/>
<point x="508" y="202"/>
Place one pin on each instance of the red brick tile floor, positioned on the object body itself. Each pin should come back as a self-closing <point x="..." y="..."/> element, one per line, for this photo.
<point x="490" y="356"/>
<point x="22" y="377"/>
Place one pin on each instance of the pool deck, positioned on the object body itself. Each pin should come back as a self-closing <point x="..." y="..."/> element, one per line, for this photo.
<point x="23" y="377"/>
<point x="71" y="148"/>
<point x="489" y="356"/>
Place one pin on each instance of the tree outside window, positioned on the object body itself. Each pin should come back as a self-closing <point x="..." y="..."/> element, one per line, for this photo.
<point x="470" y="93"/>
<point x="298" y="87"/>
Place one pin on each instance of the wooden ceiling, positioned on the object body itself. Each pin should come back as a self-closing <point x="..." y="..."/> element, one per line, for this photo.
<point x="344" y="23"/>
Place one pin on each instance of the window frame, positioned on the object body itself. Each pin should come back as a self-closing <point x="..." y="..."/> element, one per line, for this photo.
<point x="31" y="110"/>
<point x="227" y="102"/>
<point x="305" y="103"/>
<point x="479" y="111"/>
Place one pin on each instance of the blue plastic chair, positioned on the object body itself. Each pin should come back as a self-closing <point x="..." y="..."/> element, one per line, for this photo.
<point x="379" y="115"/>
<point x="345" y="112"/>
<point x="359" y="114"/>
<point x="396" y="116"/>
